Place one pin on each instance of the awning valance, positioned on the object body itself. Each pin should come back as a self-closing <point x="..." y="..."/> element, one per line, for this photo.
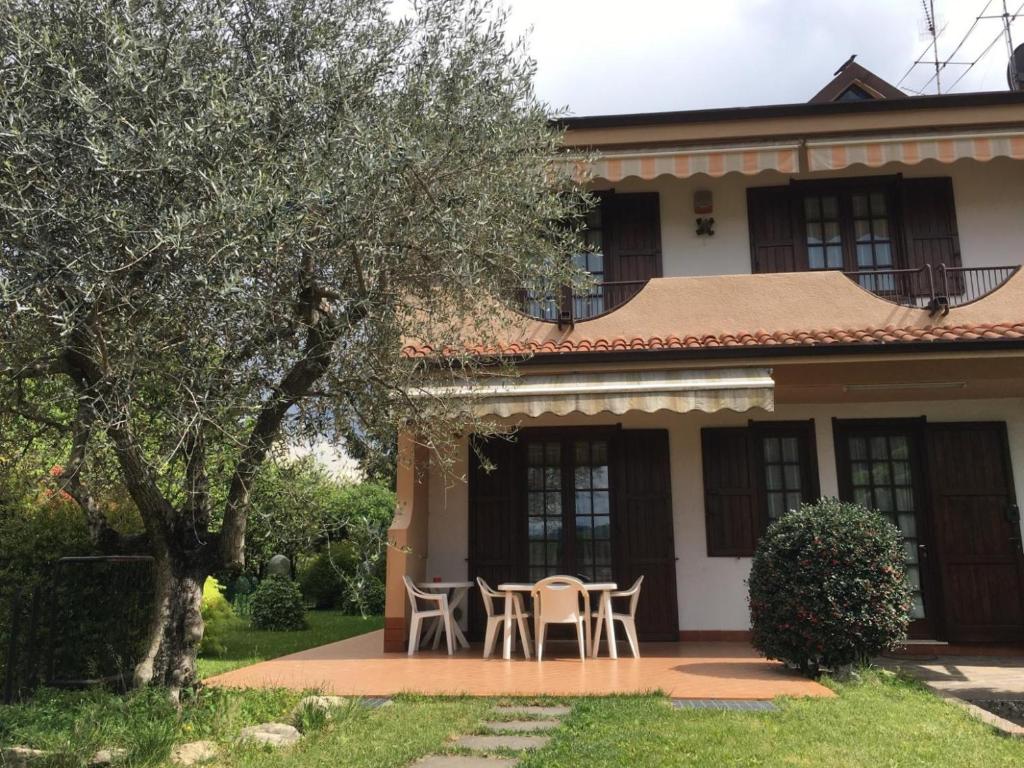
<point x="717" y="389"/>
<point x="682" y="163"/>
<point x="874" y="152"/>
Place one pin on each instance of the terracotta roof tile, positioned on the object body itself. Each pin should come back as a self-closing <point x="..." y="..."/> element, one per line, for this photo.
<point x="759" y="338"/>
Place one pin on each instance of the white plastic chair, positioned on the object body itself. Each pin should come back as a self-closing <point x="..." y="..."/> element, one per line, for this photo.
<point x="442" y="613"/>
<point x="497" y="618"/>
<point x="556" y="600"/>
<point x="628" y="620"/>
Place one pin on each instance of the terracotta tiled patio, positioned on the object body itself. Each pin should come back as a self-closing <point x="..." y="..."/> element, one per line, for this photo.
<point x="689" y="670"/>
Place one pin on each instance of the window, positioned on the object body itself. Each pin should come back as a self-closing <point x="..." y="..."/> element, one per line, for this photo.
<point x="878" y="471"/>
<point x="753" y="475"/>
<point x="568" y="499"/>
<point x="857" y="225"/>
<point x="592" y="260"/>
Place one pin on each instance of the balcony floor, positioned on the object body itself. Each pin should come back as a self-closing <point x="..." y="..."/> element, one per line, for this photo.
<point x="688" y="670"/>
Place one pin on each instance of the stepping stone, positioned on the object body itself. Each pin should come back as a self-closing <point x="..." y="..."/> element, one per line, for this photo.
<point x="107" y="757"/>
<point x="461" y="761"/>
<point x="728" y="704"/>
<point x="326" y="704"/>
<point x="22" y="757"/>
<point x="522" y="726"/>
<point x="274" y="734"/>
<point x="515" y="743"/>
<point x="513" y="709"/>
<point x="193" y="753"/>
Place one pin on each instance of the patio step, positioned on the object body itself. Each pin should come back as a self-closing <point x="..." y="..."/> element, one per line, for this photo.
<point x="513" y="743"/>
<point x="462" y="761"/>
<point x="513" y="709"/>
<point x="522" y="726"/>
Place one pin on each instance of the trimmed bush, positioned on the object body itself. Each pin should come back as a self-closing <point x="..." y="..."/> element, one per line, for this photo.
<point x="277" y="603"/>
<point x="218" y="618"/>
<point x="827" y="587"/>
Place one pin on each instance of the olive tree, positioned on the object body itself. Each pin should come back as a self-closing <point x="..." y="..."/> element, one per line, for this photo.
<point x="218" y="221"/>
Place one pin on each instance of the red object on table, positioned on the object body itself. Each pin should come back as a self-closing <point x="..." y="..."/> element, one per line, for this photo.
<point x="437" y="579"/>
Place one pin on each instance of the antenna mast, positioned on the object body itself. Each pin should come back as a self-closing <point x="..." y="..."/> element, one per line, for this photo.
<point x="1007" y="19"/>
<point x="929" y="18"/>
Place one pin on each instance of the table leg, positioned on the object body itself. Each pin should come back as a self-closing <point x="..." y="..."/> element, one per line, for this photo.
<point x="458" y="598"/>
<point x="524" y="632"/>
<point x="506" y="642"/>
<point x="609" y="622"/>
<point x="596" y="648"/>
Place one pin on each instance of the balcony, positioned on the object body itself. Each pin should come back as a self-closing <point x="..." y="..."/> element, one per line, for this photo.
<point x="935" y="288"/>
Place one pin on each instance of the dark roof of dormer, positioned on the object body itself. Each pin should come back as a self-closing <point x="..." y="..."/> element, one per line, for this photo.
<point x="852" y="82"/>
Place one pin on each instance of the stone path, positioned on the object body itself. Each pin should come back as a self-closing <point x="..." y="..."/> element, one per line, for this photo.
<point x="525" y="729"/>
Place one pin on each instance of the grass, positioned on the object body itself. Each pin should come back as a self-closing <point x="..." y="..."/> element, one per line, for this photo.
<point x="879" y="721"/>
<point x="244" y="646"/>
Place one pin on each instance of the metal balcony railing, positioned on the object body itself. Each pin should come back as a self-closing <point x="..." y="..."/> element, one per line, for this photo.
<point x="567" y="307"/>
<point x="935" y="288"/>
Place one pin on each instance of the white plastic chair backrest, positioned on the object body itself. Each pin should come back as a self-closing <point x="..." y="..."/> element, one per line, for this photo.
<point x="633" y="593"/>
<point x="415" y="592"/>
<point x="488" y="595"/>
<point x="557" y="598"/>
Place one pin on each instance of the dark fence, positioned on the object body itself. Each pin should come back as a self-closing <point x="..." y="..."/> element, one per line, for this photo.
<point x="83" y="623"/>
<point x="567" y="307"/>
<point x="937" y="288"/>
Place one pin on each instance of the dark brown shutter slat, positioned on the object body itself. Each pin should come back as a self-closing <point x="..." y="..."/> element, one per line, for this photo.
<point x="643" y="535"/>
<point x="776" y="244"/>
<point x="632" y="236"/>
<point x="930" y="230"/>
<point x="496" y="522"/>
<point x="731" y="508"/>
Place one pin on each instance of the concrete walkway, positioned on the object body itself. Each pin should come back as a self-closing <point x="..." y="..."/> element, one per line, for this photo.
<point x="973" y="678"/>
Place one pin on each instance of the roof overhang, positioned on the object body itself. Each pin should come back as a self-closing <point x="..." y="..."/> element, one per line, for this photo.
<point x="618" y="392"/>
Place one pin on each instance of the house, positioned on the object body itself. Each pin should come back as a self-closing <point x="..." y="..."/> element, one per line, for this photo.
<point x="791" y="301"/>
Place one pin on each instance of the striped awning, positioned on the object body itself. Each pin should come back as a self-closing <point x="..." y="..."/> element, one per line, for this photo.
<point x="678" y="391"/>
<point x="835" y="154"/>
<point x="682" y="163"/>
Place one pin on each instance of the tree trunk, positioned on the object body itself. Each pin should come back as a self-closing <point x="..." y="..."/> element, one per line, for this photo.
<point x="176" y="629"/>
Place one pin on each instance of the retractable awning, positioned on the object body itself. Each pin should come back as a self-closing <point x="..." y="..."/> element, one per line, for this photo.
<point x="874" y="152"/>
<point x="717" y="389"/>
<point x="685" y="162"/>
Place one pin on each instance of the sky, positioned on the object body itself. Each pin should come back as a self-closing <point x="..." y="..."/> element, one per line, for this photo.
<point x="621" y="56"/>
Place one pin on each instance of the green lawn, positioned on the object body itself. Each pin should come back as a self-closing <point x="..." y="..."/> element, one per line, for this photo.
<point x="880" y="721"/>
<point x="245" y="646"/>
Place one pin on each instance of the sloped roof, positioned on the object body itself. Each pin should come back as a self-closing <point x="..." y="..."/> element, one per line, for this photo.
<point x="853" y="75"/>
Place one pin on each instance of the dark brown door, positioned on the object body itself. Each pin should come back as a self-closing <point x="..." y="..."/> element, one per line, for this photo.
<point x="976" y="532"/>
<point x="881" y="466"/>
<point x="643" y="530"/>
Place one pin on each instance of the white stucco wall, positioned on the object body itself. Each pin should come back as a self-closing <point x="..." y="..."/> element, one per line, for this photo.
<point x="711" y="590"/>
<point x="989" y="205"/>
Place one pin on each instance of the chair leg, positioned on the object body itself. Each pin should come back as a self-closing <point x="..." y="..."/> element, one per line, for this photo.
<point x="579" y="637"/>
<point x="539" y="632"/>
<point x="414" y="634"/>
<point x="630" y="626"/>
<point x="524" y="626"/>
<point x="437" y="634"/>
<point x="449" y="634"/>
<point x="490" y="636"/>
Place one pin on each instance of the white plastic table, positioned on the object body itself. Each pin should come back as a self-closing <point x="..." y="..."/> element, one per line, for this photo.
<point x="604" y="613"/>
<point x="456" y="591"/>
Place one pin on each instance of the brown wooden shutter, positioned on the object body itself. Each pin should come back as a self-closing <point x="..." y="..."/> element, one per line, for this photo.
<point x="632" y="236"/>
<point x="776" y="242"/>
<point x="496" y="521"/>
<point x="645" y="544"/>
<point x="929" y="229"/>
<point x="732" y="511"/>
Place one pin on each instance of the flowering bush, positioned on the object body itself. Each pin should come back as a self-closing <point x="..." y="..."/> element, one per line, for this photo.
<point x="827" y="587"/>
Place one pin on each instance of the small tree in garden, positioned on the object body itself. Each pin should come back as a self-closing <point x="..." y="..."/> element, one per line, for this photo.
<point x="218" y="221"/>
<point x="828" y="587"/>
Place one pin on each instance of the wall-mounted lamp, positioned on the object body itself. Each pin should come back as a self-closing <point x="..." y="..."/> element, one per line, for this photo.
<point x="703" y="205"/>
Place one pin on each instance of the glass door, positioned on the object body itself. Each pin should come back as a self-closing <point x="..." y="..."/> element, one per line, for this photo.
<point x="569" y="507"/>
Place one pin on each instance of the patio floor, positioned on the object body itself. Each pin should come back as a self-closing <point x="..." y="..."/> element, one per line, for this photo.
<point x="687" y="670"/>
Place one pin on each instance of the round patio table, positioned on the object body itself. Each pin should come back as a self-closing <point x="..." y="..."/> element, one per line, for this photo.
<point x="456" y="591"/>
<point x="604" y="591"/>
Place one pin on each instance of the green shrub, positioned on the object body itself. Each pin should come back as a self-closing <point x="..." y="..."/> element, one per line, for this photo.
<point x="322" y="578"/>
<point x="218" y="619"/>
<point x="277" y="603"/>
<point x="827" y="587"/>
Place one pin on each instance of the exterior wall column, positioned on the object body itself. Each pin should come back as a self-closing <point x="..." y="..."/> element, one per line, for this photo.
<point x="407" y="538"/>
